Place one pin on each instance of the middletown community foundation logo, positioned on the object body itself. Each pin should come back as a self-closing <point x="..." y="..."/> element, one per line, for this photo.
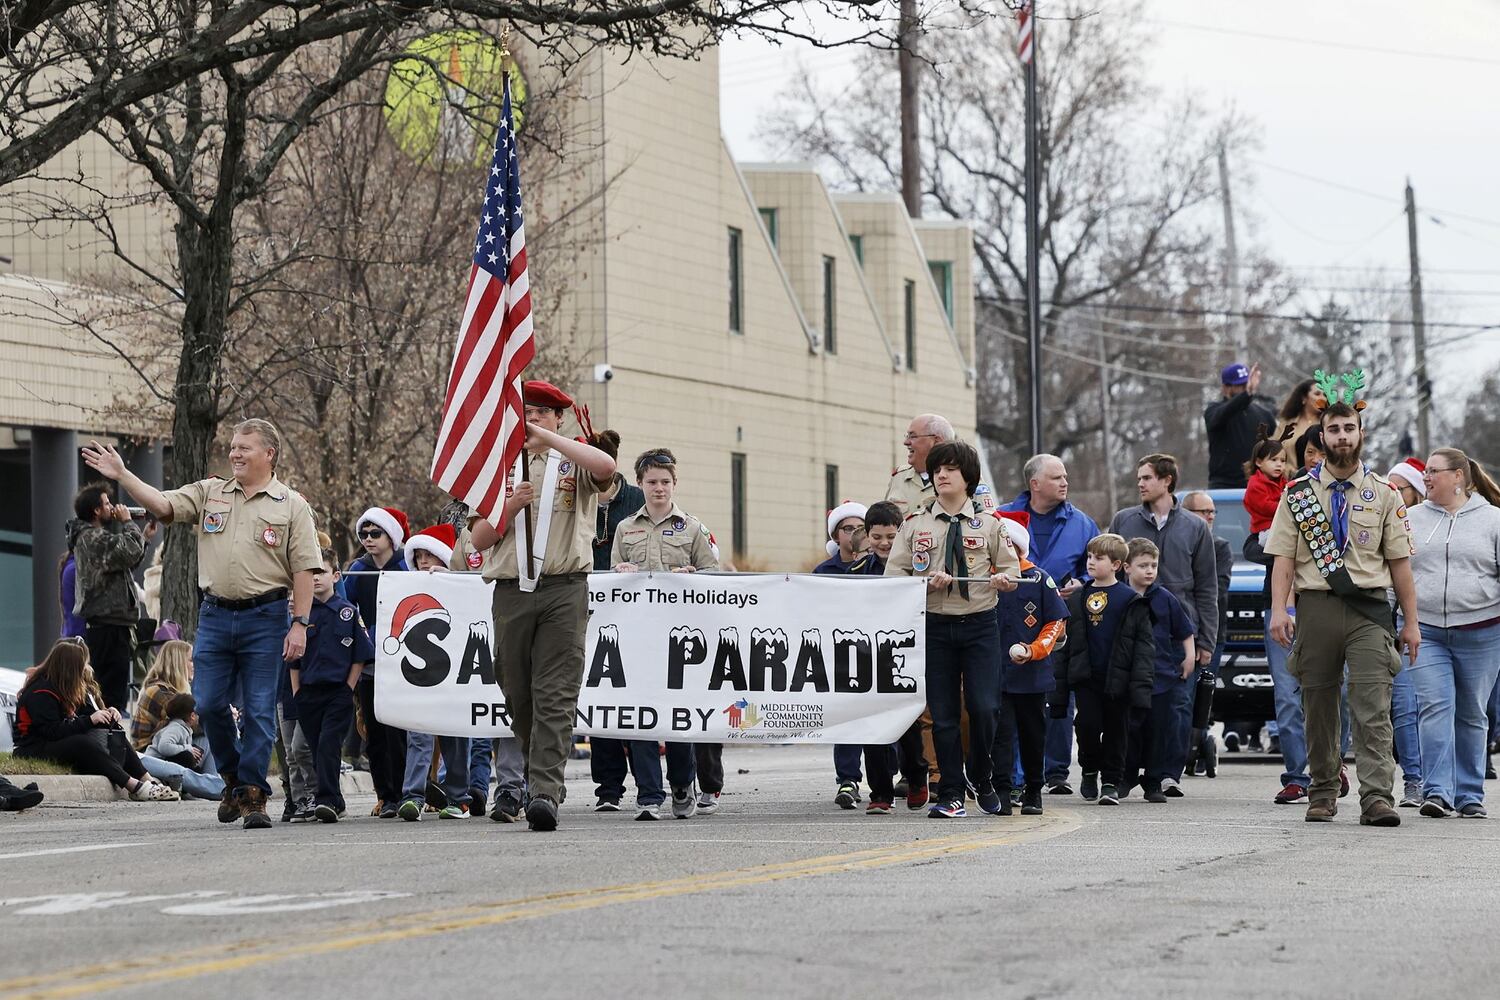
<point x="742" y="714"/>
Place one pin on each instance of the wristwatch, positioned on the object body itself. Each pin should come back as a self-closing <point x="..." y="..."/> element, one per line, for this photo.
<point x="302" y="620"/>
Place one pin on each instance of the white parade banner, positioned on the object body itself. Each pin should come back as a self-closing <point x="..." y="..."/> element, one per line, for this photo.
<point x="691" y="657"/>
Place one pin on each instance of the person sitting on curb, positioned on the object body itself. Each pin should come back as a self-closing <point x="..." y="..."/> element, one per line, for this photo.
<point x="56" y="720"/>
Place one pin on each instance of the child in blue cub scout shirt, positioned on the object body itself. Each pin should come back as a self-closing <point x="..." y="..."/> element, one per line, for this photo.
<point x="1152" y="736"/>
<point x="1107" y="667"/>
<point x="323" y="680"/>
<point x="1032" y="618"/>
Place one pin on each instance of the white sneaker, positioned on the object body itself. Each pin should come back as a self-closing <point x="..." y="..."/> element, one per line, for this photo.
<point x="153" y="791"/>
<point x="1170" y="788"/>
<point x="684" y="804"/>
<point x="652" y="811"/>
<point x="708" y="803"/>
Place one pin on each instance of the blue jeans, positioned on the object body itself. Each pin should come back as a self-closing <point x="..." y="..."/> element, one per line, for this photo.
<point x="239" y="652"/>
<point x="455" y="773"/>
<point x="503" y="755"/>
<point x="1169" y="750"/>
<point x="1288" y="695"/>
<point x="1404" y="721"/>
<point x="607" y="767"/>
<point x="1454" y="676"/>
<point x="200" y="786"/>
<point x="846" y="758"/>
<point x="963" y="667"/>
<point x="1057" y="757"/>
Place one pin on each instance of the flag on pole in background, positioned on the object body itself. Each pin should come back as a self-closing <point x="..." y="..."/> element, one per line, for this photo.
<point x="1023" y="22"/>
<point x="483" y="427"/>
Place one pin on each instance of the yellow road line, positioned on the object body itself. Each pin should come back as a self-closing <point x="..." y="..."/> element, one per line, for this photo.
<point x="253" y="952"/>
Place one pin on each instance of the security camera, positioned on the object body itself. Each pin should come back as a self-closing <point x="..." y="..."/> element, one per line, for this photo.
<point x="603" y="373"/>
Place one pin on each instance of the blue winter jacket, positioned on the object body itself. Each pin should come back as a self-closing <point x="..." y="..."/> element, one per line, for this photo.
<point x="1064" y="556"/>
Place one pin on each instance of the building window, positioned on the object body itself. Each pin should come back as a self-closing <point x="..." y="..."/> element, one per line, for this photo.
<point x="830" y="334"/>
<point x="830" y="487"/>
<point x="736" y="280"/>
<point x="942" y="276"/>
<point x="738" y="539"/>
<point x="857" y="244"/>
<point x="768" y="219"/>
<point x="909" y="313"/>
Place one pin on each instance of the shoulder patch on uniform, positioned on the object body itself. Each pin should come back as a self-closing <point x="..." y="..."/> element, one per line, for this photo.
<point x="1049" y="581"/>
<point x="346" y="614"/>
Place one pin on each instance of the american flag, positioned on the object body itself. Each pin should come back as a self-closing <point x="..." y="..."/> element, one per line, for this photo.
<point x="483" y="426"/>
<point x="1023" y="23"/>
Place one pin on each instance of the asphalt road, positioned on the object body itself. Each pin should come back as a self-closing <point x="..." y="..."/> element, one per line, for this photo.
<point x="1220" y="894"/>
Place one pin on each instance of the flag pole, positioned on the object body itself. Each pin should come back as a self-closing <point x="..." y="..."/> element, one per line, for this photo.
<point x="1027" y="53"/>
<point x="525" y="459"/>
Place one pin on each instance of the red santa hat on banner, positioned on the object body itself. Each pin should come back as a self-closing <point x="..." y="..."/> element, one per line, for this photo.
<point x="413" y="609"/>
<point x="1411" y="469"/>
<point x="439" y="539"/>
<point x="1015" y="523"/>
<point x="387" y="519"/>
<point x="844" y="510"/>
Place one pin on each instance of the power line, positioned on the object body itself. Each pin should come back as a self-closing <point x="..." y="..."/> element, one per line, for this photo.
<point x="1326" y="44"/>
<point x="1294" y="317"/>
<point x="1366" y="193"/>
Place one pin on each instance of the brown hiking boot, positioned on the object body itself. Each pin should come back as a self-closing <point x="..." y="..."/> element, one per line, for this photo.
<point x="229" y="802"/>
<point x="253" y="808"/>
<point x="1321" y="811"/>
<point x="1379" y="813"/>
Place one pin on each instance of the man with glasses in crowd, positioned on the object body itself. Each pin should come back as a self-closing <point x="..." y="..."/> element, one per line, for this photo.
<point x="910" y="486"/>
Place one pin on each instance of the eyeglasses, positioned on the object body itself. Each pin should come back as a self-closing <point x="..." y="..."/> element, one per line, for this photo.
<point x="1429" y="472"/>
<point x="1202" y="511"/>
<point x="370" y="533"/>
<point x="848" y="527"/>
<point x="913" y="437"/>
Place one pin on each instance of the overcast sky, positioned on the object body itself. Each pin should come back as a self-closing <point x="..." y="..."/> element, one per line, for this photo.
<point x="1351" y="99"/>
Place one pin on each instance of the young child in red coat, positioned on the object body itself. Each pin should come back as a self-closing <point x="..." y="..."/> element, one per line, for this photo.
<point x="1267" y="474"/>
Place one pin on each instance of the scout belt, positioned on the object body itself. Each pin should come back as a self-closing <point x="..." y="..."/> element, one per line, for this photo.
<point x="1317" y="531"/>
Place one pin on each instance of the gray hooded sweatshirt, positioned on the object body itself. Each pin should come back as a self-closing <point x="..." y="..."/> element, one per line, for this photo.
<point x="1457" y="565"/>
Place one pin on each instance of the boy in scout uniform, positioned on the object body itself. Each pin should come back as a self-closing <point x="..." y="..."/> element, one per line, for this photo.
<point x="256" y="545"/>
<point x="1341" y="538"/>
<point x="541" y="604"/>
<point x="663" y="538"/>
<point x="955" y="543"/>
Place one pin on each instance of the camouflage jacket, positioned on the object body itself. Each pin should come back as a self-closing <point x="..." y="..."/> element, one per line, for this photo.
<point x="105" y="556"/>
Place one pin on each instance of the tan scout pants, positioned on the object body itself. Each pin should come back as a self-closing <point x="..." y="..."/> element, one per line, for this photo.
<point x="539" y="654"/>
<point x="1329" y="634"/>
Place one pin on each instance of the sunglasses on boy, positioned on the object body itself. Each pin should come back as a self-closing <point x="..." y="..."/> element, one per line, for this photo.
<point x="371" y="533"/>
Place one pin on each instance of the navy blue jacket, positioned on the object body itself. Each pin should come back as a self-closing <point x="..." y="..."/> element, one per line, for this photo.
<point x="335" y="642"/>
<point x="627" y="500"/>
<point x="867" y="564"/>
<point x="1064" y="556"/>
<point x="1022" y="614"/>
<point x="1132" y="658"/>
<point x="361" y="589"/>
<point x="1170" y="625"/>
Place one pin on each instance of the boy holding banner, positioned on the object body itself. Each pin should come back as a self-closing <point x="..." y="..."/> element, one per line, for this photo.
<point x="540" y="568"/>
<point x="960" y="548"/>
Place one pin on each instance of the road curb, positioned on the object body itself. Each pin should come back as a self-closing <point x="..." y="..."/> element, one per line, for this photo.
<point x="73" y="789"/>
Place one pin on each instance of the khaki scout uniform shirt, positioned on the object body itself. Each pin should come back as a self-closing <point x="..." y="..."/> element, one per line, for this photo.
<point x="676" y="541"/>
<point x="1378" y="531"/>
<point x="247" y="545"/>
<point x="464" y="557"/>
<point x="570" y="537"/>
<point x="909" y="490"/>
<point x="919" y="551"/>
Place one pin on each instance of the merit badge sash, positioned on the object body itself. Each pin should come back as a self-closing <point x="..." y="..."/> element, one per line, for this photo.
<point x="529" y="573"/>
<point x="1317" y="531"/>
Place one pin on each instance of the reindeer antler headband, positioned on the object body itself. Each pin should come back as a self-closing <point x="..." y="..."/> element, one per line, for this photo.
<point x="1353" y="381"/>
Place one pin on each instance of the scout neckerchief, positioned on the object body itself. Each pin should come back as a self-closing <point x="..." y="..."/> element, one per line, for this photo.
<point x="528" y="574"/>
<point x="954" y="562"/>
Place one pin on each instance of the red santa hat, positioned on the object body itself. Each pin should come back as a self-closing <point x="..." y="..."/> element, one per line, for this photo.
<point x="438" y="539"/>
<point x="1015" y="524"/>
<point x="412" y="609"/>
<point x="1411" y="469"/>
<point x="847" y="509"/>
<point x="389" y="520"/>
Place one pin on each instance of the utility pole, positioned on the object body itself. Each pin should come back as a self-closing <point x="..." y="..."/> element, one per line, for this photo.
<point x="1106" y="431"/>
<point x="911" y="150"/>
<point x="1418" y="327"/>
<point x="1232" y="263"/>
<point x="1026" y="50"/>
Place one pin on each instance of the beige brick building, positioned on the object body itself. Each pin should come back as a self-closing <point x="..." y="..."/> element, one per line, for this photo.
<point x="777" y="336"/>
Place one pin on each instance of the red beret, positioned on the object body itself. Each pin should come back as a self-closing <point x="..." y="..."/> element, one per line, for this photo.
<point x="539" y="393"/>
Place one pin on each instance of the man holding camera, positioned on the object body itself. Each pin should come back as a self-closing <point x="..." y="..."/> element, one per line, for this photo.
<point x="106" y="550"/>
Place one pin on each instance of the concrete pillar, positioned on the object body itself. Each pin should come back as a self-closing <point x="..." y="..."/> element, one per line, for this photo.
<point x="54" y="480"/>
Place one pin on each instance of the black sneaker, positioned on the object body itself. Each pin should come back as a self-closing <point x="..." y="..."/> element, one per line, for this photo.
<point x="1031" y="801"/>
<point x="289" y="809"/>
<point x="326" y="814"/>
<point x="1063" y="788"/>
<point x="953" y="809"/>
<point x="847" y="796"/>
<point x="477" y="798"/>
<point x="1007" y="806"/>
<point x="305" y="812"/>
<point x="390" y="811"/>
<point x="1108" y="796"/>
<point x="541" y="815"/>
<point x="1436" y="808"/>
<point x="1232" y="742"/>
<point x="507" y="808"/>
<point x="1473" y="810"/>
<point x="435" y="796"/>
<point x="1156" y="795"/>
<point x="605" y="805"/>
<point x="1090" y="787"/>
<point x="989" y="800"/>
